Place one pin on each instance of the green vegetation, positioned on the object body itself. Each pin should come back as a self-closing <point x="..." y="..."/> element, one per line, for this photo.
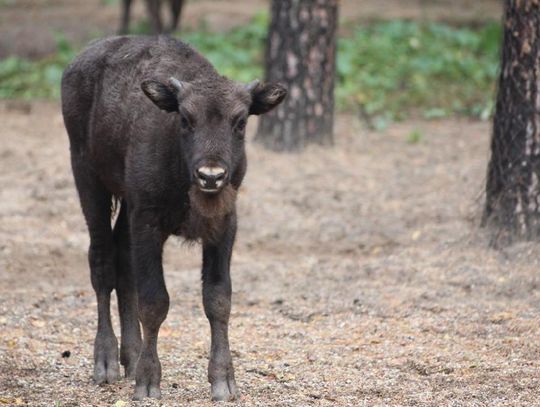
<point x="237" y="54"/>
<point x="386" y="70"/>
<point x="414" y="137"/>
<point x="21" y="78"/>
<point x="394" y="67"/>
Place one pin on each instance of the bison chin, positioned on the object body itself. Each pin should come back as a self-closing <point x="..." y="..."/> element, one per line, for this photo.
<point x="213" y="205"/>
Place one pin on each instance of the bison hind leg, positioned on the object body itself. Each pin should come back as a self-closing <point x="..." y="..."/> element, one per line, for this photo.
<point x="96" y="207"/>
<point x="127" y="295"/>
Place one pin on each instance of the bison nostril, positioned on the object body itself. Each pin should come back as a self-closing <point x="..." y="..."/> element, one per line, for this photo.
<point x="211" y="177"/>
<point x="220" y="176"/>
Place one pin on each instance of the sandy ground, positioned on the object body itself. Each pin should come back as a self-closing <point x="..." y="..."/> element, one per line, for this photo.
<point x="361" y="278"/>
<point x="29" y="27"/>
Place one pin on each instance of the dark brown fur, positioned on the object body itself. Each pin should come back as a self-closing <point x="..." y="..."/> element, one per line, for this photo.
<point x="207" y="214"/>
<point x="144" y="116"/>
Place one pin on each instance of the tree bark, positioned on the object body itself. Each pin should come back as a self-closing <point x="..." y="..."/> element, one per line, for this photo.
<point x="513" y="187"/>
<point x="301" y="53"/>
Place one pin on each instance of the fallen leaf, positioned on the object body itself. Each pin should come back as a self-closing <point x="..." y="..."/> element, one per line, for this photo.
<point x="500" y="317"/>
<point x="38" y="323"/>
<point x="11" y="343"/>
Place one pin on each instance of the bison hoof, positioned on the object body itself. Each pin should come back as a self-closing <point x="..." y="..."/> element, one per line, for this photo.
<point x="144" y="391"/>
<point x="130" y="371"/>
<point x="224" y="390"/>
<point x="129" y="354"/>
<point x="106" y="372"/>
<point x="106" y="367"/>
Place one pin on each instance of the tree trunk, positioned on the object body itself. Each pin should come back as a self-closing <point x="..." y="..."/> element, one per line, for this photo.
<point x="301" y="53"/>
<point x="513" y="187"/>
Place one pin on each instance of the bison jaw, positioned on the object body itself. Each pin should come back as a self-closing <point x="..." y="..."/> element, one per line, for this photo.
<point x="213" y="203"/>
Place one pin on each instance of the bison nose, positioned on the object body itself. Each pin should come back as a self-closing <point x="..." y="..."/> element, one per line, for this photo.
<point x="210" y="179"/>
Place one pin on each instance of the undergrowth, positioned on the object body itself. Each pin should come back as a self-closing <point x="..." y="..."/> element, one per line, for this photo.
<point x="385" y="70"/>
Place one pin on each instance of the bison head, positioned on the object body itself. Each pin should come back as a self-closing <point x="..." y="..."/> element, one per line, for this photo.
<point x="211" y="123"/>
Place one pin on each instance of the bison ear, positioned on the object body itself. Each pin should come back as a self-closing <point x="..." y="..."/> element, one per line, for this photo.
<point x="265" y="96"/>
<point x="162" y="95"/>
<point x="166" y="96"/>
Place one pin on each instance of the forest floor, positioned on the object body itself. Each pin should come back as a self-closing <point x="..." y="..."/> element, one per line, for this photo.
<point x="361" y="278"/>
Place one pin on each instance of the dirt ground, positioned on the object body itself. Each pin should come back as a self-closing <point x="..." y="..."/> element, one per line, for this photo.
<point x="28" y="28"/>
<point x="360" y="274"/>
<point x="361" y="278"/>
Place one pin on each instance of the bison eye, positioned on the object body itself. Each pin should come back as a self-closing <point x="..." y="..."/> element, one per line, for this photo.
<point x="240" y="125"/>
<point x="186" y="121"/>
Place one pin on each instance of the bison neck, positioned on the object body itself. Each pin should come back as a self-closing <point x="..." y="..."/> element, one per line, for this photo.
<point x="206" y="218"/>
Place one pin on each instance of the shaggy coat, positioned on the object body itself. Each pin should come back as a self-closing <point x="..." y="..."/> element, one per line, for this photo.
<point x="154" y="126"/>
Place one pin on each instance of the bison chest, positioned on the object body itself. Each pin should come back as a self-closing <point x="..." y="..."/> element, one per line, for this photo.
<point x="193" y="226"/>
<point x="205" y="216"/>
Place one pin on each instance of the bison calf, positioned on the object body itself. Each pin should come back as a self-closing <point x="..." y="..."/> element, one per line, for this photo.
<point x="152" y="124"/>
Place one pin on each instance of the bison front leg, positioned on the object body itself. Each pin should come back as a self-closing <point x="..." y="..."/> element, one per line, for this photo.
<point x="153" y="300"/>
<point x="217" y="307"/>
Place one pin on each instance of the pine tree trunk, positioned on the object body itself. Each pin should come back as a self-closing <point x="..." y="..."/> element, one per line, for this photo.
<point x="513" y="187"/>
<point x="301" y="53"/>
